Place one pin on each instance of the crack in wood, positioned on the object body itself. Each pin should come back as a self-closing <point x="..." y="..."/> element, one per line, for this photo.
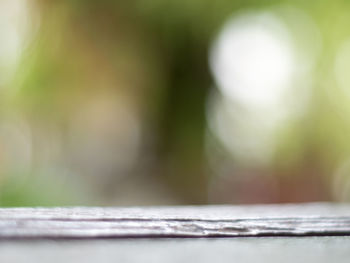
<point x="201" y="221"/>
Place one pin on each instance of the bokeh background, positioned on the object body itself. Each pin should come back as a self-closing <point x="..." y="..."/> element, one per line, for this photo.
<point x="152" y="102"/>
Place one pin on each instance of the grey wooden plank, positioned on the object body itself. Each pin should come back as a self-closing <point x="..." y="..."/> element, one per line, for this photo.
<point x="253" y="249"/>
<point x="195" y="221"/>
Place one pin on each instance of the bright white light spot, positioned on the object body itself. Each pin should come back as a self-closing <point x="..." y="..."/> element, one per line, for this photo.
<point x="253" y="60"/>
<point x="13" y="28"/>
<point x="263" y="68"/>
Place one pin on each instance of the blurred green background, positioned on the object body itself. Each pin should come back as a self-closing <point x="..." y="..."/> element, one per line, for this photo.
<point x="151" y="102"/>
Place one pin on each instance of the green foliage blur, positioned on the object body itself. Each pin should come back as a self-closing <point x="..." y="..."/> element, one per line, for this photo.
<point x="107" y="104"/>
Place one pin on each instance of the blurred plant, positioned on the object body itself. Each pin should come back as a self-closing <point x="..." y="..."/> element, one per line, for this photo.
<point x="111" y="102"/>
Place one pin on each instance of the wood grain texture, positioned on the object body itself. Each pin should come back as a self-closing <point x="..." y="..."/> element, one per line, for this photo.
<point x="196" y="221"/>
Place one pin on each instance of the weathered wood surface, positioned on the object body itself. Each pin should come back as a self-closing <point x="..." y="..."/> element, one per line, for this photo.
<point x="197" y="221"/>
